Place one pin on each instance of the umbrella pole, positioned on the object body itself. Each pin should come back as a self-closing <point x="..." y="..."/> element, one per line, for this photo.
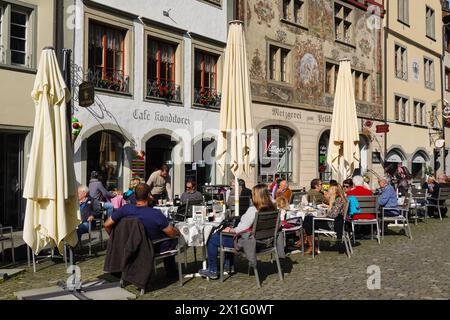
<point x="236" y="196"/>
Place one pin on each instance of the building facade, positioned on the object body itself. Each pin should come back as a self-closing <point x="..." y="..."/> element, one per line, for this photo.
<point x="157" y="73"/>
<point x="26" y="27"/>
<point x="446" y="79"/>
<point x="413" y="92"/>
<point x="294" y="48"/>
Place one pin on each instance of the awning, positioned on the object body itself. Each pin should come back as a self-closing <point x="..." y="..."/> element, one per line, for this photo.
<point x="394" y="157"/>
<point x="419" y="159"/>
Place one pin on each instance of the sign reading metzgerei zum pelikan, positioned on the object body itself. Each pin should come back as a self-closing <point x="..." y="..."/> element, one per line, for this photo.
<point x="86" y="94"/>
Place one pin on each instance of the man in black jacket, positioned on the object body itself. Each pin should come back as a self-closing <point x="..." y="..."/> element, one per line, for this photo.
<point x="89" y="210"/>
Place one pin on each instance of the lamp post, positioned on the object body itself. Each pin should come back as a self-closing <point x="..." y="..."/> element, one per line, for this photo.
<point x="445" y="24"/>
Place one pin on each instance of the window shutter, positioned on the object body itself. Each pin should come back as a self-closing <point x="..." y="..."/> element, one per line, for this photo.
<point x="433" y="24"/>
<point x="406" y="10"/>
<point x="431" y="64"/>
<point x="401" y="10"/>
<point x="405" y="63"/>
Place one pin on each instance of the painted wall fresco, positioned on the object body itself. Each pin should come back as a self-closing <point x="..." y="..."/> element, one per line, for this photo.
<point x="264" y="11"/>
<point x="310" y="49"/>
<point x="256" y="66"/>
<point x="308" y="75"/>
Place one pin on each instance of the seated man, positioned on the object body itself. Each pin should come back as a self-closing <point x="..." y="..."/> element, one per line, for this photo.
<point x="156" y="225"/>
<point x="89" y="210"/>
<point x="388" y="198"/>
<point x="191" y="193"/>
<point x="284" y="191"/>
<point x="434" y="191"/>
<point x="315" y="194"/>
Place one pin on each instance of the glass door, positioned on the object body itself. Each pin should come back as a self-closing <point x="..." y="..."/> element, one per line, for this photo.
<point x="11" y="175"/>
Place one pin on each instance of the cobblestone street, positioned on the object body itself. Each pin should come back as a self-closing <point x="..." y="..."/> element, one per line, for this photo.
<point x="410" y="269"/>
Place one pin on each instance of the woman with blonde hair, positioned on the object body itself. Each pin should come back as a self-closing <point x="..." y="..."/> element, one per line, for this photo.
<point x="335" y="211"/>
<point x="262" y="202"/>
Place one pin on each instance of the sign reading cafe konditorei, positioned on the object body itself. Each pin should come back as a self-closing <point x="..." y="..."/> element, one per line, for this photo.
<point x="86" y="94"/>
<point x="160" y="117"/>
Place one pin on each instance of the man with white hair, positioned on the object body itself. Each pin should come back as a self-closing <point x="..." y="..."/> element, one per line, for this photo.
<point x="356" y="188"/>
<point x="89" y="210"/>
<point x="388" y="198"/>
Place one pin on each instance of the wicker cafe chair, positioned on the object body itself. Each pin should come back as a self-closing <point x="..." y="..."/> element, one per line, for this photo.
<point x="265" y="231"/>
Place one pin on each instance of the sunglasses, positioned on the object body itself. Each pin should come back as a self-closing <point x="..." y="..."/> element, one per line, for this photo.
<point x="346" y="186"/>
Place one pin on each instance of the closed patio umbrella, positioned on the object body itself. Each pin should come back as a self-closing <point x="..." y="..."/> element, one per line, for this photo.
<point x="52" y="212"/>
<point x="343" y="150"/>
<point x="236" y="143"/>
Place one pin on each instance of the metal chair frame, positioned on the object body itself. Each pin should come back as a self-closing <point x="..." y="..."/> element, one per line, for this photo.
<point x="403" y="217"/>
<point x="9" y="238"/>
<point x="444" y="195"/>
<point x="368" y="204"/>
<point x="345" y="237"/>
<point x="265" y="229"/>
<point x="419" y="195"/>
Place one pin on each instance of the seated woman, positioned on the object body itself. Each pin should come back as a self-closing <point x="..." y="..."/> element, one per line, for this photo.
<point x="335" y="211"/>
<point x="283" y="206"/>
<point x="262" y="203"/>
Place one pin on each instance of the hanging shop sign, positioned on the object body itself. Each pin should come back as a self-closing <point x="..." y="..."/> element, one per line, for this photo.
<point x="384" y="128"/>
<point x="86" y="94"/>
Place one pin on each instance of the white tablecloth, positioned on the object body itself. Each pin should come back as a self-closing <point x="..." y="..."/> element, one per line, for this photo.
<point x="196" y="234"/>
<point x="166" y="210"/>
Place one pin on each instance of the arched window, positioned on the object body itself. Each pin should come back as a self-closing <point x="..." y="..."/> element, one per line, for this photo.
<point x="275" y="154"/>
<point x="105" y="155"/>
<point x="393" y="159"/>
<point x="419" y="162"/>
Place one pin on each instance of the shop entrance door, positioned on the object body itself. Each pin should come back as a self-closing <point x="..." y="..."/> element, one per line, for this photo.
<point x="158" y="152"/>
<point x="12" y="205"/>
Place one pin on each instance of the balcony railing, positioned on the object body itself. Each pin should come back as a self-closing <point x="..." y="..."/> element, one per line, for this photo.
<point x="114" y="81"/>
<point x="166" y="90"/>
<point x="207" y="98"/>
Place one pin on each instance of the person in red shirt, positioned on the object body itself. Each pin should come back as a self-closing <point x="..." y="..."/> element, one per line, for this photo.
<point x="356" y="188"/>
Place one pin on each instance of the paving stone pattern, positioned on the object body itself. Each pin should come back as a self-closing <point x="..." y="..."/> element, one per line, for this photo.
<point x="410" y="269"/>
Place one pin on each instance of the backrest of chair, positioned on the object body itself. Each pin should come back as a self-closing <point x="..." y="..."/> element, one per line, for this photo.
<point x="266" y="225"/>
<point x="296" y="197"/>
<point x="407" y="202"/>
<point x="368" y="204"/>
<point x="418" y="194"/>
<point x="444" y="193"/>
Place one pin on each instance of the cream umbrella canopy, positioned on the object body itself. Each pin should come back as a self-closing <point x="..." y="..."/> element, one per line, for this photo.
<point x="343" y="150"/>
<point x="236" y="142"/>
<point x="52" y="212"/>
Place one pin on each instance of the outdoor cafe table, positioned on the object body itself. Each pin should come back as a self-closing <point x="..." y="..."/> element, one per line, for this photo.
<point x="196" y="234"/>
<point x="166" y="210"/>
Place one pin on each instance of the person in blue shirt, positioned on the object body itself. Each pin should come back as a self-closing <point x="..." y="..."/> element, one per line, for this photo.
<point x="156" y="225"/>
<point x="388" y="198"/>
